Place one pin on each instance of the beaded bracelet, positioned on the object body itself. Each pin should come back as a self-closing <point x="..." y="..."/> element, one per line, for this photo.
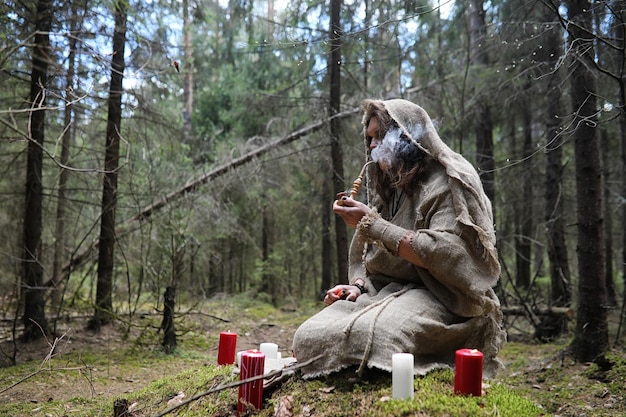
<point x="360" y="287"/>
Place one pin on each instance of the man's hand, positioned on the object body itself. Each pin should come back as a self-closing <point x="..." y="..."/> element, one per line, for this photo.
<point x="351" y="211"/>
<point x="342" y="292"/>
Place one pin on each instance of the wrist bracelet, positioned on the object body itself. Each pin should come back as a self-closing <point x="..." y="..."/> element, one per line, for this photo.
<point x="360" y="287"/>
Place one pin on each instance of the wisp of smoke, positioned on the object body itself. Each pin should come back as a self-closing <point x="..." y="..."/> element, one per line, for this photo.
<point x="395" y="144"/>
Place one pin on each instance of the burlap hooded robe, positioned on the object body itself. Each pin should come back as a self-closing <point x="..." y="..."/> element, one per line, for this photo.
<point x="427" y="312"/>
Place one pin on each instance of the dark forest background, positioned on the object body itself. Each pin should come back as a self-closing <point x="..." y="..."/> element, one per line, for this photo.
<point x="155" y="154"/>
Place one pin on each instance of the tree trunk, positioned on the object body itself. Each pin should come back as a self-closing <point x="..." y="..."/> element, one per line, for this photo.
<point x="169" y="332"/>
<point x="560" y="278"/>
<point x="591" y="334"/>
<point x="611" y="293"/>
<point x="622" y="126"/>
<point x="228" y="33"/>
<point x="616" y="56"/>
<point x="366" y="44"/>
<point x="104" y="297"/>
<point x="35" y="323"/>
<point x="341" y="234"/>
<point x="484" y="123"/>
<point x="620" y="33"/>
<point x="59" y="234"/>
<point x="326" y="211"/>
<point x="267" y="281"/>
<point x="120" y="408"/>
<point x="525" y="227"/>
<point x="187" y="74"/>
<point x="210" y="286"/>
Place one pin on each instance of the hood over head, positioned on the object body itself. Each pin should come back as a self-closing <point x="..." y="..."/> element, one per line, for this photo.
<point x="472" y="206"/>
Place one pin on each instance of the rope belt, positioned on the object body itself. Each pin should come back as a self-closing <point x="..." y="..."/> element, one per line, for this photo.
<point x="381" y="304"/>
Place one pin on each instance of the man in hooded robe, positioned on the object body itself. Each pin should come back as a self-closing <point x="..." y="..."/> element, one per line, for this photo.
<point x="422" y="262"/>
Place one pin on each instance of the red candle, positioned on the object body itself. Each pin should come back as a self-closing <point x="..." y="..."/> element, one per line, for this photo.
<point x="227" y="348"/>
<point x="251" y="393"/>
<point x="468" y="372"/>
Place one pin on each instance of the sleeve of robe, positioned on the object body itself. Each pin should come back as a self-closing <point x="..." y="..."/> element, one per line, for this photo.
<point x="458" y="271"/>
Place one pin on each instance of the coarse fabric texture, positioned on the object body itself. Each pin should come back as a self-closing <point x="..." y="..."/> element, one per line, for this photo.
<point x="429" y="312"/>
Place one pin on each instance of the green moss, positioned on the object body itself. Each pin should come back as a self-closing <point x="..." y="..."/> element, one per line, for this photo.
<point x="538" y="381"/>
<point x="197" y="341"/>
<point x="508" y="403"/>
<point x="616" y="376"/>
<point x="341" y="394"/>
<point x="612" y="372"/>
<point x="17" y="409"/>
<point x="344" y="395"/>
<point x="189" y="382"/>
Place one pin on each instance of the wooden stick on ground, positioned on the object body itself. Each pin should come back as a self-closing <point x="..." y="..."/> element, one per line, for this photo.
<point x="237" y="383"/>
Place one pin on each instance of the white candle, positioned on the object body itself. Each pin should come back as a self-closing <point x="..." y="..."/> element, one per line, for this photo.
<point x="238" y="357"/>
<point x="270" y="350"/>
<point x="402" y="375"/>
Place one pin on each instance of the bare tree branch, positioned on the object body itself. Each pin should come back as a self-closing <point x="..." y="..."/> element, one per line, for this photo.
<point x="42" y="369"/>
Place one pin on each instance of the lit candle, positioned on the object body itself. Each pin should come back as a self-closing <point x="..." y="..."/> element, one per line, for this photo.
<point x="251" y="393"/>
<point x="226" y="349"/>
<point x="270" y="350"/>
<point x="468" y="372"/>
<point x="402" y="375"/>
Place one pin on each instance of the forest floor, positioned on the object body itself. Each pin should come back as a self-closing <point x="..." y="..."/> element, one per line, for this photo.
<point x="81" y="373"/>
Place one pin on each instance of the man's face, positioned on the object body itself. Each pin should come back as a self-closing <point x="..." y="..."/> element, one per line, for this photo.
<point x="373" y="133"/>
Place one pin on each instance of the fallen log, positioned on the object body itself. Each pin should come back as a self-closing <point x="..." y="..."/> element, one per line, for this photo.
<point x="79" y="258"/>
<point x="561" y="312"/>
